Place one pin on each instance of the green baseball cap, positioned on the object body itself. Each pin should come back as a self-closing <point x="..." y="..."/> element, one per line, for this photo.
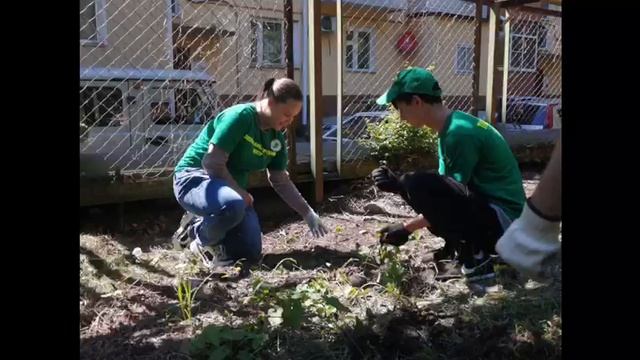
<point x="411" y="80"/>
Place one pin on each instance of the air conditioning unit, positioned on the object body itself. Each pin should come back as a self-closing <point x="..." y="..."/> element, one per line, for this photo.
<point x="328" y="23"/>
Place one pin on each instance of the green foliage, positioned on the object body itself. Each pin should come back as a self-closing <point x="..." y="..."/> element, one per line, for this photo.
<point x="223" y="342"/>
<point x="395" y="141"/>
<point x="291" y="307"/>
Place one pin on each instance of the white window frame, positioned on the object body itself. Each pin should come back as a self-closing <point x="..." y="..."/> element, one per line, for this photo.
<point x="354" y="44"/>
<point x="259" y="38"/>
<point x="101" y="26"/>
<point x="297" y="44"/>
<point x="178" y="8"/>
<point x="512" y="53"/>
<point x="543" y="36"/>
<point x="459" y="69"/>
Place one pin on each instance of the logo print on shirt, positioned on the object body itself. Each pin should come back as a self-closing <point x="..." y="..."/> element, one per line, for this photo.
<point x="276" y="145"/>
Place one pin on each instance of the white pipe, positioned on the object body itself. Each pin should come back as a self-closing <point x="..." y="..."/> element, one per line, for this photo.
<point x="169" y="32"/>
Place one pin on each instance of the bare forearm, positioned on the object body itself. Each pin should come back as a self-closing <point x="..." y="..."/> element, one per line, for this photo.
<point x="547" y="197"/>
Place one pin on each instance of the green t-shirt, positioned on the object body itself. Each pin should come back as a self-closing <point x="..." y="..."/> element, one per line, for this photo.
<point x="236" y="130"/>
<point x="473" y="152"/>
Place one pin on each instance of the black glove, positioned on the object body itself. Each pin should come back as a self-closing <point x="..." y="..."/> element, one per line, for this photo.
<point x="395" y="234"/>
<point x="386" y="180"/>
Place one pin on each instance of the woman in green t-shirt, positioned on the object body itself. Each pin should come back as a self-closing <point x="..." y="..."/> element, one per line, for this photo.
<point x="210" y="181"/>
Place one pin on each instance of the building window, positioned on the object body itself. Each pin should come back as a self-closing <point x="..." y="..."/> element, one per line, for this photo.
<point x="93" y="19"/>
<point x="267" y="43"/>
<point x="524" y="52"/>
<point x="464" y="59"/>
<point x="358" y="50"/>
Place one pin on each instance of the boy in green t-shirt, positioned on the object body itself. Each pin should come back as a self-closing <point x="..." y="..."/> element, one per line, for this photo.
<point x="477" y="191"/>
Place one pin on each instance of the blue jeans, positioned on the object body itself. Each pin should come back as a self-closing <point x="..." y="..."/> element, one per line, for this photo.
<point x="223" y="217"/>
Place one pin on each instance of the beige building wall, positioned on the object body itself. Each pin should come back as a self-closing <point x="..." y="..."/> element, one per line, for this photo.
<point x="136" y="36"/>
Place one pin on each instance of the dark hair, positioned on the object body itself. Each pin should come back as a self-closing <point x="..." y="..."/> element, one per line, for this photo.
<point x="281" y="90"/>
<point x="406" y="98"/>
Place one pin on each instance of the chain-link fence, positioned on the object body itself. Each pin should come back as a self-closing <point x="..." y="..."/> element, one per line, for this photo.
<point x="153" y="72"/>
<point x="383" y="38"/>
<point x="534" y="87"/>
<point x="386" y="36"/>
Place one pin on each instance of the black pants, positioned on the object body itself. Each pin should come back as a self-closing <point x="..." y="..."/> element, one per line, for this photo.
<point x="462" y="217"/>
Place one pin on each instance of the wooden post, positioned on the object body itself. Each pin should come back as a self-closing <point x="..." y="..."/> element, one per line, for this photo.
<point x="339" y="89"/>
<point x="496" y="79"/>
<point x="315" y="95"/>
<point x="288" y="38"/>
<point x="490" y="67"/>
<point x="477" y="51"/>
<point x="288" y="45"/>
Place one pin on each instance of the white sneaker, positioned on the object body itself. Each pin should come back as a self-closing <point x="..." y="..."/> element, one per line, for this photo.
<point x="480" y="268"/>
<point x="211" y="256"/>
<point x="183" y="236"/>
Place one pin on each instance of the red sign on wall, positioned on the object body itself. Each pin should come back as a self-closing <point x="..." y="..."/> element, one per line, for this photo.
<point x="407" y="43"/>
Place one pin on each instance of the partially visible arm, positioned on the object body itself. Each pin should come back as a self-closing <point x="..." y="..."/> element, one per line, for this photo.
<point x="398" y="234"/>
<point x="282" y="184"/>
<point x="416" y="223"/>
<point x="547" y="197"/>
<point x="230" y="127"/>
<point x="278" y="177"/>
<point x="215" y="163"/>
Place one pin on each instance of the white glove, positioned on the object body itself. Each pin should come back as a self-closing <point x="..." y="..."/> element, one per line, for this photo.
<point x="530" y="243"/>
<point x="315" y="225"/>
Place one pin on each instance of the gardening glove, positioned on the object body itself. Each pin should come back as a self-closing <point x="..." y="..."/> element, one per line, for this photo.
<point x="386" y="180"/>
<point x="530" y="244"/>
<point x="395" y="234"/>
<point x="315" y="224"/>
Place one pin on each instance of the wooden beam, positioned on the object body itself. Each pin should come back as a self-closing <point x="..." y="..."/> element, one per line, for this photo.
<point x="485" y="2"/>
<point x="521" y="4"/>
<point x="315" y="96"/>
<point x="477" y="51"/>
<point x="106" y="191"/>
<point x="288" y="45"/>
<point x="288" y="39"/>
<point x="508" y="3"/>
<point x="423" y="14"/>
<point x="540" y="11"/>
<point x="496" y="9"/>
<point x="100" y="192"/>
